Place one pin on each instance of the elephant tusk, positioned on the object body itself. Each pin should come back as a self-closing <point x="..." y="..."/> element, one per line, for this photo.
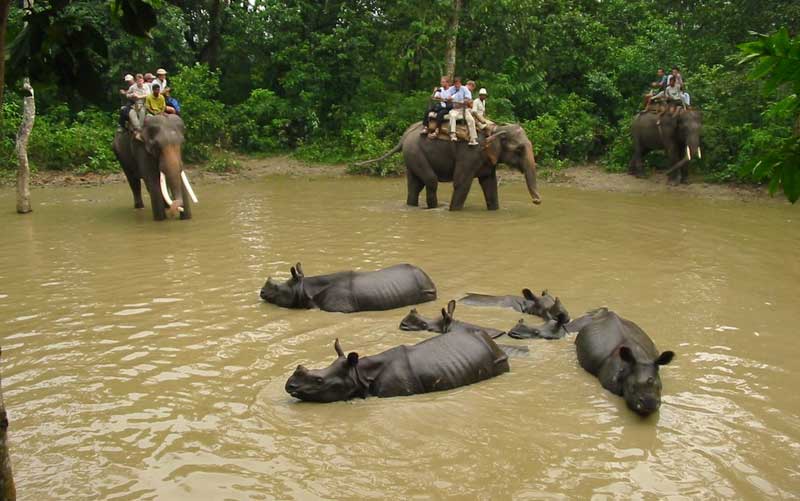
<point x="688" y="153"/>
<point x="699" y="153"/>
<point x="165" y="192"/>
<point x="188" y="186"/>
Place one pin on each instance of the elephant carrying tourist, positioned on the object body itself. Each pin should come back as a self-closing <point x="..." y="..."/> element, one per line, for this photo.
<point x="678" y="134"/>
<point x="430" y="161"/>
<point x="156" y="160"/>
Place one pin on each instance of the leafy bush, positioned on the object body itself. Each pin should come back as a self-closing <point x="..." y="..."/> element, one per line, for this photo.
<point x="197" y="89"/>
<point x="545" y="134"/>
<point x="223" y="163"/>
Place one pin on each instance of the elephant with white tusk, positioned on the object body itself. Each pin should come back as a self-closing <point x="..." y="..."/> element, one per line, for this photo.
<point x="156" y="160"/>
<point x="677" y="134"/>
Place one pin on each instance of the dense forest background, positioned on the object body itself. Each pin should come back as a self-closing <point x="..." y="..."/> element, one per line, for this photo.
<point x="340" y="80"/>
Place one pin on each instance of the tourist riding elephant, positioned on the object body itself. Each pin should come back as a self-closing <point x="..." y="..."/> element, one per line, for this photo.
<point x="156" y="160"/>
<point x="678" y="135"/>
<point x="429" y="161"/>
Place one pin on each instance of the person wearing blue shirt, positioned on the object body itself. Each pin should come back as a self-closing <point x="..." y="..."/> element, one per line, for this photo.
<point x="437" y="104"/>
<point x="461" y="97"/>
<point x="173" y="106"/>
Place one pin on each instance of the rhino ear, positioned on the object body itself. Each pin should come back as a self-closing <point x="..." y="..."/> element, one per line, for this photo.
<point x="447" y="320"/>
<point x="626" y="354"/>
<point x="352" y="359"/>
<point x="665" y="358"/>
<point x="338" y="348"/>
<point x="451" y="307"/>
<point x="298" y="273"/>
<point x="528" y="295"/>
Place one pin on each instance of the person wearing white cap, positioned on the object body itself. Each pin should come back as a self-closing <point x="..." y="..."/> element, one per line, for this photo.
<point x="479" y="109"/>
<point x="161" y="79"/>
<point x="126" y="102"/>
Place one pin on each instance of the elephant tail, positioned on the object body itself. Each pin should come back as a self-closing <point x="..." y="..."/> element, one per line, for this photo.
<point x="398" y="147"/>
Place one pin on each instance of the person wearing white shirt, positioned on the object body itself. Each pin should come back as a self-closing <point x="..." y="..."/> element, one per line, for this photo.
<point x="479" y="109"/>
<point x="161" y="79"/>
<point x="461" y="98"/>
<point x="438" y="103"/>
<point x="137" y="93"/>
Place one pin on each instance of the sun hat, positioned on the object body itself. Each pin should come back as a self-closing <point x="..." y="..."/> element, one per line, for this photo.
<point x="161" y="71"/>
<point x="482" y="92"/>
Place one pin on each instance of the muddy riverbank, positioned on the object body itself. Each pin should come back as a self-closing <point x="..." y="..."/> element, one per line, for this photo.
<point x="584" y="177"/>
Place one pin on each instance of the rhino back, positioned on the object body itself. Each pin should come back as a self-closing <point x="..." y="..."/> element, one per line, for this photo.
<point x="393" y="287"/>
<point x="456" y="359"/>
<point x="605" y="334"/>
<point x="518" y="303"/>
<point x="597" y="340"/>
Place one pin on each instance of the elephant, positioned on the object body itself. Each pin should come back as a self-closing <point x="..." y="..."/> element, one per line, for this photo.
<point x="677" y="134"/>
<point x="156" y="160"/>
<point x="429" y="161"/>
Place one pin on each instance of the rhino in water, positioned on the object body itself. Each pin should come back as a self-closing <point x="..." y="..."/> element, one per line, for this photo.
<point x="351" y="291"/>
<point x="544" y="306"/>
<point x="623" y="357"/>
<point x="439" y="363"/>
<point x="445" y="323"/>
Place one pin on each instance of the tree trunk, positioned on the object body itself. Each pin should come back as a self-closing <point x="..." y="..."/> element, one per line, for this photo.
<point x="24" y="171"/>
<point x="5" y="6"/>
<point x="450" y="57"/>
<point x="8" y="491"/>
<point x="209" y="54"/>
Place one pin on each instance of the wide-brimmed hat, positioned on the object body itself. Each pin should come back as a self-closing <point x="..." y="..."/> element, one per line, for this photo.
<point x="482" y="92"/>
<point x="128" y="77"/>
<point x="161" y="71"/>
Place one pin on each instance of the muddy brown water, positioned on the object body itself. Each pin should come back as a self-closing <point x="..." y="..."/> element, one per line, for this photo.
<point x="139" y="363"/>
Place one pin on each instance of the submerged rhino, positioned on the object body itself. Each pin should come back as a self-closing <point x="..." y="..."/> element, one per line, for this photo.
<point x="623" y="357"/>
<point x="544" y="306"/>
<point x="552" y="329"/>
<point x="351" y="291"/>
<point x="445" y="323"/>
<point x="442" y="362"/>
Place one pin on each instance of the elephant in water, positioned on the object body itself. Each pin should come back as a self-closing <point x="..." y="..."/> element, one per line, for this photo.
<point x="429" y="161"/>
<point x="678" y="135"/>
<point x="156" y="160"/>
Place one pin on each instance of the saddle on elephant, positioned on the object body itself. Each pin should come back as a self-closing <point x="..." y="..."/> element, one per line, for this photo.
<point x="462" y="132"/>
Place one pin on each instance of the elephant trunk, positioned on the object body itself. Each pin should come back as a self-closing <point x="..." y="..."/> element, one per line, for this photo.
<point x="529" y="169"/>
<point x="171" y="166"/>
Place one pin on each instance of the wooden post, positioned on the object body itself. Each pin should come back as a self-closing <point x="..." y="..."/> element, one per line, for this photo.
<point x="24" y="170"/>
<point x="8" y="491"/>
<point x="450" y="57"/>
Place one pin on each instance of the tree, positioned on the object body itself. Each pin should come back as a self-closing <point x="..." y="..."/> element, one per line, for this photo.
<point x="452" y="38"/>
<point x="777" y="59"/>
<point x="24" y="170"/>
<point x="5" y="7"/>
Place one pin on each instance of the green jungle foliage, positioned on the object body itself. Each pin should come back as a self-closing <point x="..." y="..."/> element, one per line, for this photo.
<point x="340" y="81"/>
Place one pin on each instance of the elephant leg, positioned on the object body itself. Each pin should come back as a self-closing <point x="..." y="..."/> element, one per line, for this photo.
<point x="461" y="186"/>
<point x="156" y="200"/>
<point x="136" y="188"/>
<point x="685" y="174"/>
<point x="489" y="187"/>
<point x="674" y="174"/>
<point x="415" y="186"/>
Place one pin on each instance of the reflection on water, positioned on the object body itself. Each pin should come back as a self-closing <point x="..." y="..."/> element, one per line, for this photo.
<point x="139" y="362"/>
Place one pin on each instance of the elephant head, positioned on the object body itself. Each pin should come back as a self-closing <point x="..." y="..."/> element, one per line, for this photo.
<point x="511" y="146"/>
<point x="163" y="139"/>
<point x="689" y="127"/>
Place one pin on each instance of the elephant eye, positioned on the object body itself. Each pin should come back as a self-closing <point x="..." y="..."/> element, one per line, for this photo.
<point x="319" y="380"/>
<point x="651" y="380"/>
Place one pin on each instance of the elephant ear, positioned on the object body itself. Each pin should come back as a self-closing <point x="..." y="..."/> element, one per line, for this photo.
<point x="492" y="153"/>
